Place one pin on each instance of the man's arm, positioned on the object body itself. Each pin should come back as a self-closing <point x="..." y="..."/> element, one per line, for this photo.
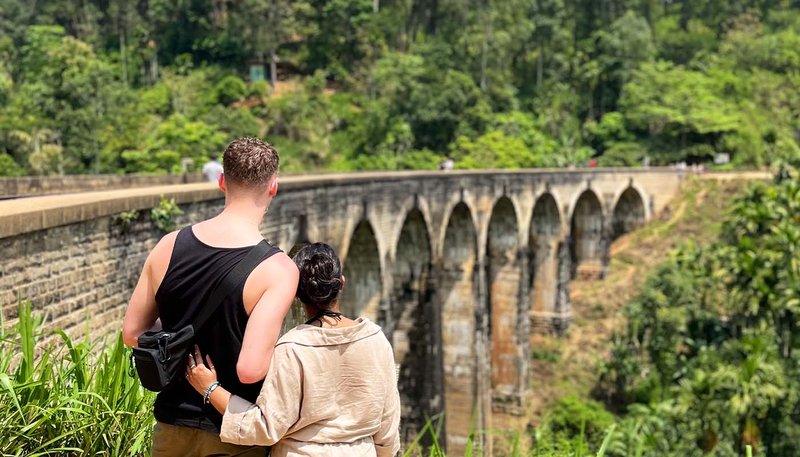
<point x="142" y="312"/>
<point x="280" y="276"/>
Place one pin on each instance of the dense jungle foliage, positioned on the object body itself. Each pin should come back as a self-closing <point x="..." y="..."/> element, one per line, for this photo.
<point x="118" y="86"/>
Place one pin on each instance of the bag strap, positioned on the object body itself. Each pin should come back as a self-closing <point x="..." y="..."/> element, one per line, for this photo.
<point x="231" y="281"/>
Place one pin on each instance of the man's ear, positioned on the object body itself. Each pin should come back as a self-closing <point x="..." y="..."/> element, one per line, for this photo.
<point x="221" y="182"/>
<point x="273" y="187"/>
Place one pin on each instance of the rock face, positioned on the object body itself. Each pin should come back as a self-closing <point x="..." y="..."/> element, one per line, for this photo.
<point x="458" y="267"/>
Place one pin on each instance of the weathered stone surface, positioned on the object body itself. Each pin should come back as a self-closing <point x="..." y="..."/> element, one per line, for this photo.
<point x="45" y="185"/>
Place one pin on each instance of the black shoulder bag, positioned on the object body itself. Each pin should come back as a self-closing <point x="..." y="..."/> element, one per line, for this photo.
<point x="160" y="357"/>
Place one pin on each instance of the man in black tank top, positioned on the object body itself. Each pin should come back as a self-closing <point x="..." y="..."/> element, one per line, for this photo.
<point x="177" y="279"/>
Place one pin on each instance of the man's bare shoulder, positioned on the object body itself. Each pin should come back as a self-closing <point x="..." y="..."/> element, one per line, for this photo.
<point x="164" y="246"/>
<point x="272" y="273"/>
<point x="158" y="260"/>
<point x="278" y="267"/>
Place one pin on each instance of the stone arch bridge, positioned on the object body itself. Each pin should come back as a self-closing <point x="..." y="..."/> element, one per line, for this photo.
<point x="458" y="267"/>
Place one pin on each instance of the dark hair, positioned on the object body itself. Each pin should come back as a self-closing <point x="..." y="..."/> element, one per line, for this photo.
<point x="320" y="275"/>
<point x="249" y="162"/>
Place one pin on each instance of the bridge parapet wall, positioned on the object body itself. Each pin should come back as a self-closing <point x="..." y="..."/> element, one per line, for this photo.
<point x="77" y="259"/>
<point x="26" y="186"/>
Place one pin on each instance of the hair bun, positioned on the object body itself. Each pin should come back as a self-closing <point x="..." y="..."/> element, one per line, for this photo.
<point x="320" y="275"/>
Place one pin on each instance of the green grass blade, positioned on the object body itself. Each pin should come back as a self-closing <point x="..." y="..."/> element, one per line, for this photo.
<point x="606" y="441"/>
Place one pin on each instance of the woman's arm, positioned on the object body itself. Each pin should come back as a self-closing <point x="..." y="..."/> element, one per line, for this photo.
<point x="277" y="407"/>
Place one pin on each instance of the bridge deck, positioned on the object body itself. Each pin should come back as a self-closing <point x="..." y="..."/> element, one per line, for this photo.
<point x="23" y="215"/>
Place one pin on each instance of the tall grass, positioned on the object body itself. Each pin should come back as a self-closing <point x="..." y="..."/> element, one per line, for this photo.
<point x="64" y="398"/>
<point x="431" y="434"/>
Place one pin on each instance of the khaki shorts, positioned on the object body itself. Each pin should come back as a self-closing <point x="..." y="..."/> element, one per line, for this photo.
<point x="173" y="441"/>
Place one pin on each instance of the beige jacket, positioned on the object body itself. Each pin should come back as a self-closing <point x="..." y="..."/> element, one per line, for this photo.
<point x="329" y="391"/>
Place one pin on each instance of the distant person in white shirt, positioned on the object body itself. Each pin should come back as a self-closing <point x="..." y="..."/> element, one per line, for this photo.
<point x="212" y="170"/>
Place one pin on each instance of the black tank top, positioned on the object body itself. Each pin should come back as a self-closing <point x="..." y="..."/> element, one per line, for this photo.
<point x="195" y="269"/>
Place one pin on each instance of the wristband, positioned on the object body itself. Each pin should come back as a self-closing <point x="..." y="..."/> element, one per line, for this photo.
<point x="210" y="389"/>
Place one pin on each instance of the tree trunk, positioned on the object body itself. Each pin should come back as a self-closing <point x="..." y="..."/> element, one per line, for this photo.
<point x="273" y="67"/>
<point x="123" y="56"/>
<point x="540" y="65"/>
<point x="483" y="66"/>
<point x="485" y="54"/>
<point x="434" y="12"/>
<point x="272" y="24"/>
<point x="154" y="68"/>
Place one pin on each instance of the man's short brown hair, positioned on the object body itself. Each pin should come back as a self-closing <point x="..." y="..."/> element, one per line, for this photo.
<point x="250" y="162"/>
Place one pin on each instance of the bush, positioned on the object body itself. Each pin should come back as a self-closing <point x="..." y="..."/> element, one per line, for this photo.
<point x="575" y="422"/>
<point x="236" y="122"/>
<point x="164" y="214"/>
<point x="9" y="167"/>
<point x="627" y="154"/>
<point x="258" y="89"/>
<point x="229" y="89"/>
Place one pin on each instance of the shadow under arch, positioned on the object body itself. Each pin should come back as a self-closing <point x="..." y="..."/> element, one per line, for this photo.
<point x="547" y="255"/>
<point x="416" y="333"/>
<point x="587" y="238"/>
<point x="629" y="212"/>
<point x="362" y="271"/>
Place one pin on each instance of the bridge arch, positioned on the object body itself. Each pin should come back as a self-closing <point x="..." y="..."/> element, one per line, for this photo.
<point x="362" y="270"/>
<point x="446" y="213"/>
<point x="630" y="211"/>
<point x="587" y="235"/>
<point x="545" y="234"/>
<point x="412" y="204"/>
<point x="416" y="331"/>
<point x="458" y="301"/>
<point x="504" y="279"/>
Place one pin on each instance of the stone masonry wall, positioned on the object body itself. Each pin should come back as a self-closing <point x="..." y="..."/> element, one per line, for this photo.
<point x="83" y="274"/>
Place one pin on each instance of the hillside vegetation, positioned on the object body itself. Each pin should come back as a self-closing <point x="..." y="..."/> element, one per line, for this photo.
<point x="564" y="366"/>
<point x="119" y="86"/>
<point x="697" y="346"/>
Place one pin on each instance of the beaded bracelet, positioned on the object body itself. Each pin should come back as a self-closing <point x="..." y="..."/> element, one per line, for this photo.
<point x="210" y="389"/>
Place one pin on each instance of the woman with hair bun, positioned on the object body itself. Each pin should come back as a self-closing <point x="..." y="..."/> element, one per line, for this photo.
<point x="331" y="389"/>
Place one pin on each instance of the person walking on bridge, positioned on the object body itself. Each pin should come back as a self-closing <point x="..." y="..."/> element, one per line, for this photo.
<point x="180" y="275"/>
<point x="212" y="169"/>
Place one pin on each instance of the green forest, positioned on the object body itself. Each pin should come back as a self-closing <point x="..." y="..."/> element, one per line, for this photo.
<point x="708" y="359"/>
<point x="158" y="86"/>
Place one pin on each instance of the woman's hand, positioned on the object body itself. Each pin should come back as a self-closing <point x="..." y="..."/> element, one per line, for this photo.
<point x="198" y="374"/>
